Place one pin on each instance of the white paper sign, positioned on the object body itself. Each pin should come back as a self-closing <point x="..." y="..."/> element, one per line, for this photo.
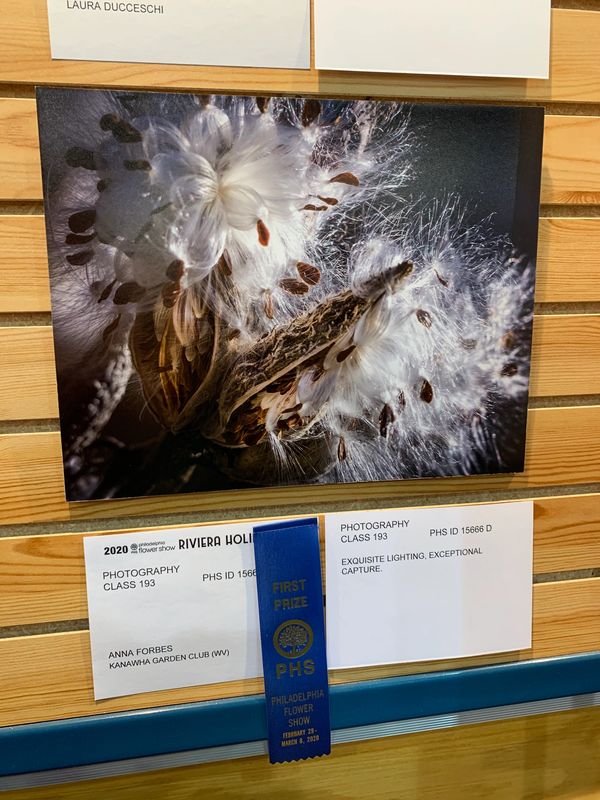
<point x="242" y="33"/>
<point x="424" y="584"/>
<point x="496" y="38"/>
<point x="172" y="608"/>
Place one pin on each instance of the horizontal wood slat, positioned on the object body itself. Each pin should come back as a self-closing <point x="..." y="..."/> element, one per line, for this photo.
<point x="42" y="578"/>
<point x="27" y="374"/>
<point x="20" y="171"/>
<point x="551" y="755"/>
<point x="568" y="267"/>
<point x="571" y="162"/>
<point x="565" y="360"/>
<point x="571" y="165"/>
<point x="574" y="71"/>
<point x="566" y="355"/>
<point x="563" y="448"/>
<point x="24" y="284"/>
<point x="49" y="676"/>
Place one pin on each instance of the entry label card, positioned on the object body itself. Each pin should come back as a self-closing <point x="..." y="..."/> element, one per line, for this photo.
<point x="235" y="33"/>
<point x="425" y="584"/>
<point x="172" y="608"/>
<point x="292" y="627"/>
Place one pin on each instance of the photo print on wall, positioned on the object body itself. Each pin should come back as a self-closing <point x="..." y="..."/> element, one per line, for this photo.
<point x="253" y="291"/>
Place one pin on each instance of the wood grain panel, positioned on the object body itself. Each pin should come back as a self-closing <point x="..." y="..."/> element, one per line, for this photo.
<point x="571" y="166"/>
<point x="20" y="172"/>
<point x="574" y="70"/>
<point x="27" y="374"/>
<point x="23" y="264"/>
<point x="42" y="578"/>
<point x="571" y="161"/>
<point x="563" y="448"/>
<point x="568" y="269"/>
<point x="565" y="360"/>
<point x="566" y="355"/>
<point x="49" y="677"/>
<point x="552" y="755"/>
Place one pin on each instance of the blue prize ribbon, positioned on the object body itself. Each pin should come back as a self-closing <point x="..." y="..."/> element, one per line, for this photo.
<point x="292" y="632"/>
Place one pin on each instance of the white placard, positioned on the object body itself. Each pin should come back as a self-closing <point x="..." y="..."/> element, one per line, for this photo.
<point x="172" y="608"/>
<point x="495" y="38"/>
<point x="425" y="584"/>
<point x="235" y="33"/>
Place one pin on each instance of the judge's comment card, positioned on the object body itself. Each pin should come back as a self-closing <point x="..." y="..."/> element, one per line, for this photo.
<point x="425" y="584"/>
<point x="488" y="38"/>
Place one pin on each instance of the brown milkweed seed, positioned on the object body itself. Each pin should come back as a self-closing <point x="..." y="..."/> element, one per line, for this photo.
<point x="80" y="258"/>
<point x="424" y="318"/>
<point x="342" y="453"/>
<point x="264" y="234"/>
<point x="308" y="273"/>
<point x="293" y="286"/>
<point x="347" y="178"/>
<point x="263" y="104"/>
<point x="510" y="369"/>
<point x="81" y="221"/>
<point x="128" y="292"/>
<point x="80" y="157"/>
<point x="268" y="304"/>
<point x="343" y="355"/>
<point x="175" y="270"/>
<point x="310" y="111"/>
<point x="139" y="163"/>
<point x="426" y="393"/>
<point x="77" y="238"/>
<point x="106" y="291"/>
<point x="386" y="418"/>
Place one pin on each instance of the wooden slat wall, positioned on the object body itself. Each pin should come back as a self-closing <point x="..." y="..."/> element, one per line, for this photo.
<point x="47" y="675"/>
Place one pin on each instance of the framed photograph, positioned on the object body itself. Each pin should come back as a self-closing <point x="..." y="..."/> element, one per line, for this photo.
<point x="255" y="291"/>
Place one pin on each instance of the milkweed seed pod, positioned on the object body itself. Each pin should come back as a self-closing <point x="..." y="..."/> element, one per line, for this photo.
<point x="260" y="266"/>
